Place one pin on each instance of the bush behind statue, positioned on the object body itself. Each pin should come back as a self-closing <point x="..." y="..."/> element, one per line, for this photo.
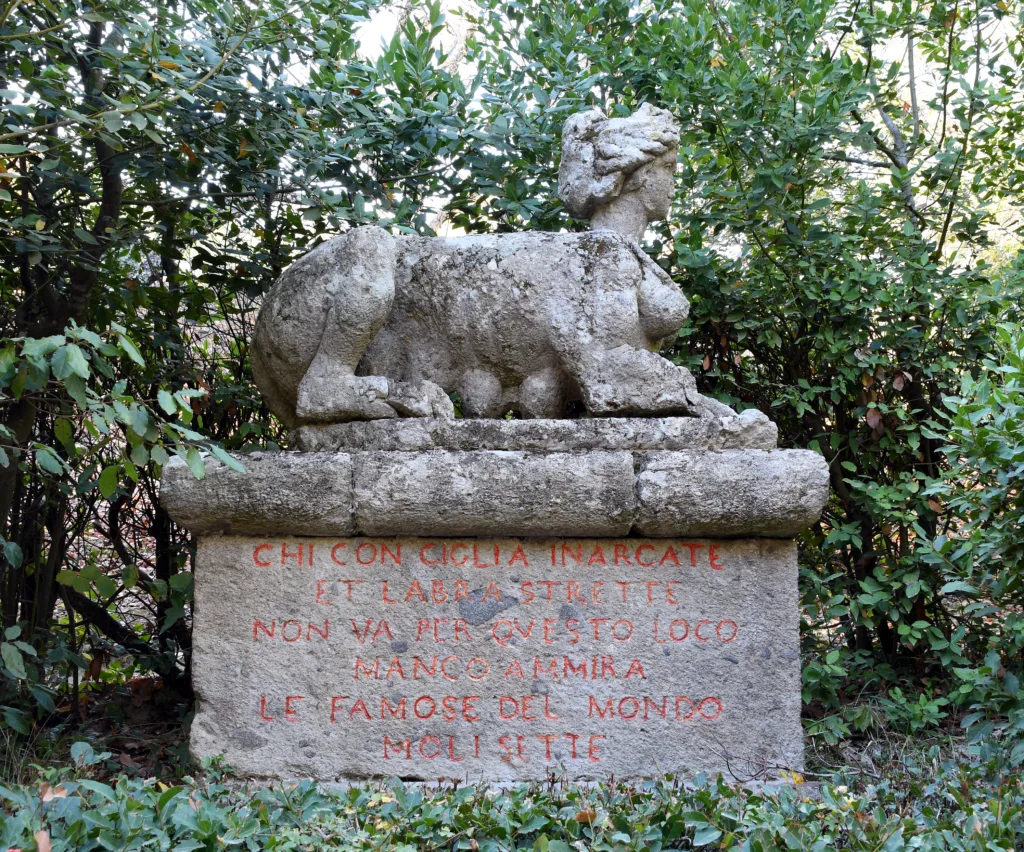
<point x="834" y="232"/>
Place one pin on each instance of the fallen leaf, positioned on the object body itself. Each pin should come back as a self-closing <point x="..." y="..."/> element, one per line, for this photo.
<point x="43" y="841"/>
<point x="717" y="61"/>
<point x="586" y="817"/>
<point x="220" y="106"/>
<point x="48" y="793"/>
<point x="867" y="380"/>
<point x="706" y="363"/>
<point x="899" y="382"/>
<point x="873" y="417"/>
<point x="95" y="668"/>
<point x="170" y="66"/>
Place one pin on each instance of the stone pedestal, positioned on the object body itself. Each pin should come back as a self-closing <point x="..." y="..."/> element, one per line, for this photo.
<point x="498" y="600"/>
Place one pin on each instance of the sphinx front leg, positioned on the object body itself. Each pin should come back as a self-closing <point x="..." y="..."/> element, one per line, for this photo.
<point x="626" y="380"/>
<point x="327" y="396"/>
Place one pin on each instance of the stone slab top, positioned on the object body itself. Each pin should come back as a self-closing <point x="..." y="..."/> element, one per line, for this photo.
<point x="750" y="430"/>
<point x="599" y="493"/>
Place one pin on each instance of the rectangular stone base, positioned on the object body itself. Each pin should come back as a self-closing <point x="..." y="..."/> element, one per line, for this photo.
<point x="497" y="660"/>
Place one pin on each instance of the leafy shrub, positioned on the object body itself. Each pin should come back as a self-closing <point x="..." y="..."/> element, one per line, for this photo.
<point x="937" y="805"/>
<point x="836" y="230"/>
<point x="981" y="549"/>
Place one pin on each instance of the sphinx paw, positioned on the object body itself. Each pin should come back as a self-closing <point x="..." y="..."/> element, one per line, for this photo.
<point x="420" y="399"/>
<point x="343" y="397"/>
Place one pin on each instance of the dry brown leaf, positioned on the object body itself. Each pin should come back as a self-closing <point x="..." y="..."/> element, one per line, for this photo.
<point x="586" y="817"/>
<point x="48" y="793"/>
<point x="873" y="417"/>
<point x="43" y="843"/>
<point x="899" y="382"/>
<point x="95" y="668"/>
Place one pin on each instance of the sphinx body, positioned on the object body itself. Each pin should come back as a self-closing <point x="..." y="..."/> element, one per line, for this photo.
<point x="369" y="326"/>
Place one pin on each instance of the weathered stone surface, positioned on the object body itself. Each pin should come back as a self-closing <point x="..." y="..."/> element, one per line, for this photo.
<point x="490" y="649"/>
<point x="618" y="172"/>
<point x="368" y="326"/>
<point x="480" y="493"/>
<point x="293" y="493"/>
<point x="749" y="430"/>
<point x="444" y="660"/>
<point x="602" y="493"/>
<point x="731" y="493"/>
<point x="509" y="321"/>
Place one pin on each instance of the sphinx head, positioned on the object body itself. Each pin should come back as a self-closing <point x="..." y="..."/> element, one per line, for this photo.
<point x="618" y="172"/>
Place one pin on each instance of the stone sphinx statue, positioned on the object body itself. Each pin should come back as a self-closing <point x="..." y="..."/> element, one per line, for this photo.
<point x="369" y="325"/>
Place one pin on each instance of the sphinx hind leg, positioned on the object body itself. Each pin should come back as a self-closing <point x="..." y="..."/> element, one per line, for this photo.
<point x="544" y="394"/>
<point x="361" y="294"/>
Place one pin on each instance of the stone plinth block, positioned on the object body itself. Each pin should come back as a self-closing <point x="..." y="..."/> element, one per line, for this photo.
<point x="732" y="493"/>
<point x="478" y="493"/>
<point x="749" y="430"/>
<point x="293" y="493"/>
<point x="497" y="659"/>
<point x="600" y="493"/>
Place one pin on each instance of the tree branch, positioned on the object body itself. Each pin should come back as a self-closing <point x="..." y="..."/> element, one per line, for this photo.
<point x="109" y="626"/>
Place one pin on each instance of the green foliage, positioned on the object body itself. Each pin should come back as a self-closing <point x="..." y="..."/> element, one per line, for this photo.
<point x="843" y="228"/>
<point x="159" y="166"/>
<point x="940" y="806"/>
<point x="982" y="553"/>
